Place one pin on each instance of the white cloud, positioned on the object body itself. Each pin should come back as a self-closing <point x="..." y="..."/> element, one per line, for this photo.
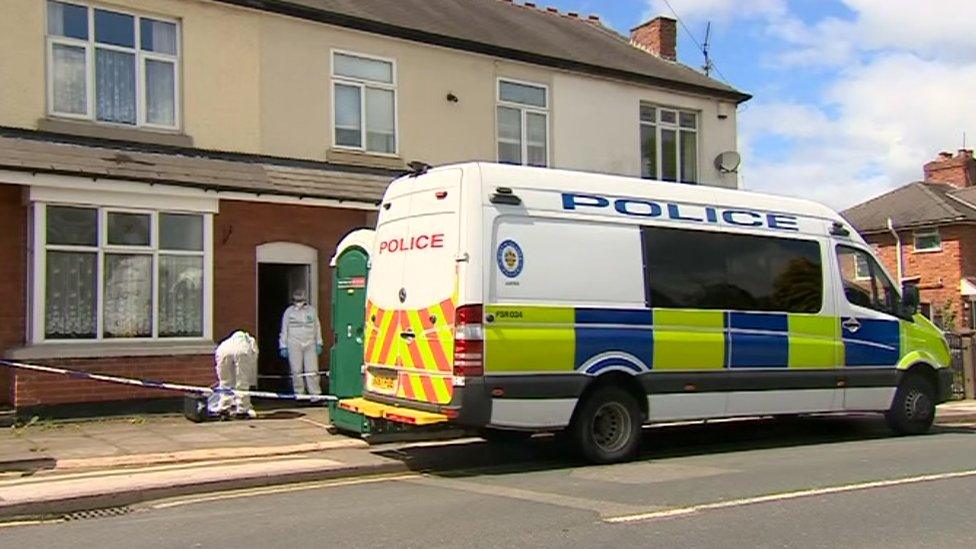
<point x="896" y="82"/>
<point x="893" y="114"/>
<point x="944" y="28"/>
<point x="721" y="10"/>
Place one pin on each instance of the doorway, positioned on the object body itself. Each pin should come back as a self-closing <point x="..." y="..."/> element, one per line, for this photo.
<point x="276" y="283"/>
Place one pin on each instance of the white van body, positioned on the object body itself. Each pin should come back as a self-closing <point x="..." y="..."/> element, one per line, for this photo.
<point x="576" y="279"/>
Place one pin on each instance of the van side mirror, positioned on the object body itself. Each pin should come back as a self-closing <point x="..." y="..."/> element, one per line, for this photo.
<point x="909" y="299"/>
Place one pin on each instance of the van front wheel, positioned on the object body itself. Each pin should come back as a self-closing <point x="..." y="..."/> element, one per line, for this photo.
<point x="607" y="426"/>
<point x="913" y="408"/>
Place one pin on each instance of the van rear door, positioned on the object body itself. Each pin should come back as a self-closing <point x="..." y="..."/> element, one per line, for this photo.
<point x="411" y="293"/>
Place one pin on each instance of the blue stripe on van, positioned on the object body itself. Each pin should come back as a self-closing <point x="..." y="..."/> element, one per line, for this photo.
<point x="757" y="340"/>
<point x="626" y="336"/>
<point x="876" y="343"/>
<point x="638" y="317"/>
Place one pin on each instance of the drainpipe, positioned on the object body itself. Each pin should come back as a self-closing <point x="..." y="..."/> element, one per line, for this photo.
<point x="894" y="233"/>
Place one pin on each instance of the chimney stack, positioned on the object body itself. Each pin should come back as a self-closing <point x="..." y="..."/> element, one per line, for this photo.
<point x="958" y="171"/>
<point x="658" y="36"/>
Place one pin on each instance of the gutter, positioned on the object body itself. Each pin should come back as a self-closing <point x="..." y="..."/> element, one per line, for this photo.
<point x="891" y="228"/>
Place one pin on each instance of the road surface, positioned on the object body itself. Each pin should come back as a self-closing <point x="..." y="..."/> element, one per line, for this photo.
<point x="806" y="483"/>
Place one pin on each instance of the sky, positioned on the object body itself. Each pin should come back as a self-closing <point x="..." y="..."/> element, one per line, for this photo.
<point x="850" y="97"/>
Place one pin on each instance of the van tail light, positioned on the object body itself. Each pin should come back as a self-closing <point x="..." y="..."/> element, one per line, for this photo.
<point x="469" y="343"/>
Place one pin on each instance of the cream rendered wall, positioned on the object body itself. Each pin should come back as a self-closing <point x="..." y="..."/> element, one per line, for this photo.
<point x="597" y="126"/>
<point x="220" y="67"/>
<point x="296" y="92"/>
<point x="257" y="82"/>
<point x="22" y="61"/>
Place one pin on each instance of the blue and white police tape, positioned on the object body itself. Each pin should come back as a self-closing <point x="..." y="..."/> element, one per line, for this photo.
<point x="152" y="384"/>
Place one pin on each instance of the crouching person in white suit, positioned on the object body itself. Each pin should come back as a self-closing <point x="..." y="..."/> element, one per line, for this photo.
<point x="301" y="343"/>
<point x="236" y="361"/>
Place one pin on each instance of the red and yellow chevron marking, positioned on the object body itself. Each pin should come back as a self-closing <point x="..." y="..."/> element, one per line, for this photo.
<point x="435" y="389"/>
<point x="426" y="360"/>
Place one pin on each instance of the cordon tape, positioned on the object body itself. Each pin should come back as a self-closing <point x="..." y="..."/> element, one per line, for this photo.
<point x="152" y="384"/>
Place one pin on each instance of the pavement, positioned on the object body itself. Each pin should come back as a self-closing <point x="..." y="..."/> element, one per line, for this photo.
<point x="58" y="468"/>
<point x="810" y="482"/>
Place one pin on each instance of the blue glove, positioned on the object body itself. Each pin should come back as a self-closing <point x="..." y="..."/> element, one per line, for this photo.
<point x="283" y="352"/>
<point x="318" y="350"/>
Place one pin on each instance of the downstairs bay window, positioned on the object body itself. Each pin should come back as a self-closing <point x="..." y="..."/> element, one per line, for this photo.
<point x="118" y="274"/>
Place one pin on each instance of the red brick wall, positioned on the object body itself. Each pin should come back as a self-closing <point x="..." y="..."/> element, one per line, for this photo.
<point x="940" y="271"/>
<point x="239" y="229"/>
<point x="33" y="389"/>
<point x="659" y="36"/>
<point x="958" y="171"/>
<point x="13" y="277"/>
<point x="243" y="226"/>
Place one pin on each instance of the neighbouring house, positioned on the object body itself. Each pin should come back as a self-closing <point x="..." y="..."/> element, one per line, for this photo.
<point x="925" y="232"/>
<point x="171" y="169"/>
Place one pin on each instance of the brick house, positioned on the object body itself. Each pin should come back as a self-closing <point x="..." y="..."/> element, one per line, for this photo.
<point x="171" y="169"/>
<point x="931" y="239"/>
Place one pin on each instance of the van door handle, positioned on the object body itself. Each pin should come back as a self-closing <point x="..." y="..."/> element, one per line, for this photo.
<point x="852" y="325"/>
<point x="408" y="335"/>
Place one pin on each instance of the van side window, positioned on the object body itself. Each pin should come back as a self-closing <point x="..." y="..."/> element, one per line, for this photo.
<point x="686" y="269"/>
<point x="871" y="288"/>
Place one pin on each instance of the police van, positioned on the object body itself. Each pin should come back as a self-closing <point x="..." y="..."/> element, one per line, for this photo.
<point x="517" y="300"/>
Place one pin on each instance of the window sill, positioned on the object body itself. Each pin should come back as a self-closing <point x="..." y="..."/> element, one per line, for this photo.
<point x="106" y="349"/>
<point x="362" y="158"/>
<point x="927" y="251"/>
<point x="95" y="130"/>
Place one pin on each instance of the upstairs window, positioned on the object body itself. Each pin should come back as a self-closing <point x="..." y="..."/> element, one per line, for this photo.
<point x="873" y="291"/>
<point x="523" y="123"/>
<point x="862" y="267"/>
<point x="111" y="66"/>
<point x="928" y="241"/>
<point x="669" y="144"/>
<point x="364" y="103"/>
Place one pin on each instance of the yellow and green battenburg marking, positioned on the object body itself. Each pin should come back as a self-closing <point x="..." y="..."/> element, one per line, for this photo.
<point x="523" y="339"/>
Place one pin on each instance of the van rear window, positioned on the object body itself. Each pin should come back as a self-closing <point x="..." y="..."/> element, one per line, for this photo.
<point x="686" y="269"/>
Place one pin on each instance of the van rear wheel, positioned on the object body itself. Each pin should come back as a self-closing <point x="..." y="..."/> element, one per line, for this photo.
<point x="913" y="408"/>
<point x="607" y="426"/>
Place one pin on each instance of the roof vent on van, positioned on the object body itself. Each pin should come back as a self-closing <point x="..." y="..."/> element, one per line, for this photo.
<point x="504" y="195"/>
<point x="418" y="168"/>
<point x="838" y="229"/>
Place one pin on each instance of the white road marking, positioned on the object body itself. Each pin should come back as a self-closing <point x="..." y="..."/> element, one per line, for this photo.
<point x="15" y="523"/>
<point x="684" y="511"/>
<point x="601" y="507"/>
<point x="251" y="492"/>
<point x="647" y="472"/>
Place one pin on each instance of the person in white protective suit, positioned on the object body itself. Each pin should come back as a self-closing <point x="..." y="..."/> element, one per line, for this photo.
<point x="236" y="361"/>
<point x="301" y="343"/>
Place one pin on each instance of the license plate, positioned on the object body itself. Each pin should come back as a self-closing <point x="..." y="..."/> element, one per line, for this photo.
<point x="384" y="382"/>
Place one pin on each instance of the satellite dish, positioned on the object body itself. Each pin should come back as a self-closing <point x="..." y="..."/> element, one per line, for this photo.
<point x="728" y="162"/>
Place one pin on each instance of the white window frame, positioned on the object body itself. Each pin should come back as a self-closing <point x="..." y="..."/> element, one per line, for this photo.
<point x="363" y="84"/>
<point x="658" y="126"/>
<point x="858" y="275"/>
<point x="924" y="233"/>
<point x="141" y="57"/>
<point x="39" y="271"/>
<point x="525" y="110"/>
